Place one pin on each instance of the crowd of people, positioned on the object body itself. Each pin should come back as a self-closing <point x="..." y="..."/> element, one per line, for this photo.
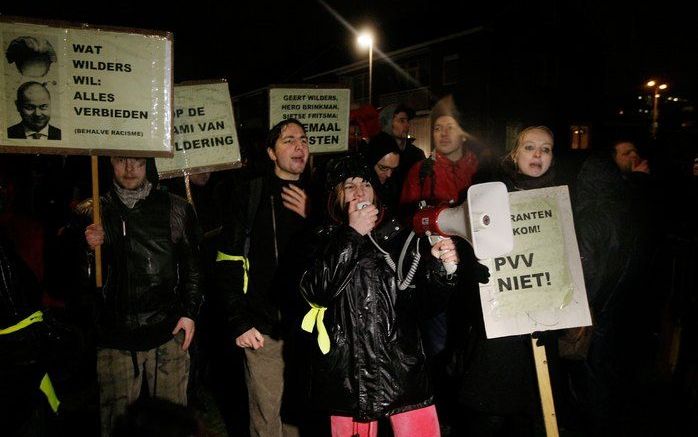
<point x="300" y="298"/>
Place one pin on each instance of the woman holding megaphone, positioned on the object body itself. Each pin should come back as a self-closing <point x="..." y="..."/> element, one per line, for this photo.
<point x="368" y="283"/>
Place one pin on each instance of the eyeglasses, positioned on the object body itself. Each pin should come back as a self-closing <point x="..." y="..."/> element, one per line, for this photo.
<point x="382" y="167"/>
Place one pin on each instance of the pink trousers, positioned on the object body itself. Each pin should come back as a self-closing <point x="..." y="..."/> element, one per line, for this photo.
<point x="422" y="422"/>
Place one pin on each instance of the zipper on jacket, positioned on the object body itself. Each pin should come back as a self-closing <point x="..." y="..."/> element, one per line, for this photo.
<point x="273" y="226"/>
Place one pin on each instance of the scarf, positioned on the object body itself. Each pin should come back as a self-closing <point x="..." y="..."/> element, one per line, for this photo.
<point x="130" y="197"/>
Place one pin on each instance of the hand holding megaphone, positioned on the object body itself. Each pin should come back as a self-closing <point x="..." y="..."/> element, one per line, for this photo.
<point x="362" y="219"/>
<point x="445" y="250"/>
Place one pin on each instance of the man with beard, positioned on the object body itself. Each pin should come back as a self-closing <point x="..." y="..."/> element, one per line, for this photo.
<point x="34" y="106"/>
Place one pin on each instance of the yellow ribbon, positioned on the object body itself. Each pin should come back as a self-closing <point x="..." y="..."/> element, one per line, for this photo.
<point x="314" y="317"/>
<point x="36" y="317"/>
<point x="245" y="266"/>
<point x="45" y="386"/>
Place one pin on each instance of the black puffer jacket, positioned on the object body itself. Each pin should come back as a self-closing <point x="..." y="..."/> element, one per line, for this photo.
<point x="151" y="271"/>
<point x="376" y="364"/>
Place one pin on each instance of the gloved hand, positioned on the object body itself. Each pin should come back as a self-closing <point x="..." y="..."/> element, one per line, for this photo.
<point x="544" y="338"/>
<point x="482" y="273"/>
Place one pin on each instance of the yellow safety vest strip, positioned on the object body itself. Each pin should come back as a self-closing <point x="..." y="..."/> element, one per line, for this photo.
<point x="245" y="266"/>
<point x="315" y="317"/>
<point x="45" y="386"/>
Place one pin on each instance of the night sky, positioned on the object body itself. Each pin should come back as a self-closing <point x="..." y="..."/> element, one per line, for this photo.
<point x="254" y="44"/>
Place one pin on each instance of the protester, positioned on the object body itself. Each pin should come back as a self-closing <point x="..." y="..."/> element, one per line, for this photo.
<point x="446" y="175"/>
<point x="256" y="265"/>
<point x="22" y="367"/>
<point x="150" y="299"/>
<point x="496" y="380"/>
<point x="395" y="121"/>
<point x="370" y="362"/>
<point x="617" y="240"/>
<point x="383" y="156"/>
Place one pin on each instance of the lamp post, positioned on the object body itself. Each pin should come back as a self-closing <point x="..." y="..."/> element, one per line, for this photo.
<point x="656" y="88"/>
<point x="365" y="39"/>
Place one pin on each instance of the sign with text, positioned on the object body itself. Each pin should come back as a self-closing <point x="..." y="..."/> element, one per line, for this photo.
<point x="539" y="286"/>
<point x="205" y="138"/>
<point x="323" y="112"/>
<point x="80" y="90"/>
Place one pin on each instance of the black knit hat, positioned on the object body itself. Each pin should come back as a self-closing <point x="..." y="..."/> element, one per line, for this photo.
<point x="340" y="169"/>
<point x="379" y="146"/>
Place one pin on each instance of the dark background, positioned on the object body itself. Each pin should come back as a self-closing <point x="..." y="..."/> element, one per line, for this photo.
<point x="617" y="46"/>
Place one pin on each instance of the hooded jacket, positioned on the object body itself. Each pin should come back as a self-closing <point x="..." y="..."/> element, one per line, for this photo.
<point x="376" y="364"/>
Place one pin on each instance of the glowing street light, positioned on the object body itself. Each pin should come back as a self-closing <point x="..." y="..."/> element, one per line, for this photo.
<point x="655" y="104"/>
<point x="365" y="40"/>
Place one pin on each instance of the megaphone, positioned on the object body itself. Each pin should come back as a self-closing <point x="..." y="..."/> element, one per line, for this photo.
<point x="484" y="220"/>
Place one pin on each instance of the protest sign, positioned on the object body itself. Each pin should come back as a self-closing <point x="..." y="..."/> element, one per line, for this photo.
<point x="205" y="138"/>
<point x="323" y="112"/>
<point x="77" y="89"/>
<point x="540" y="285"/>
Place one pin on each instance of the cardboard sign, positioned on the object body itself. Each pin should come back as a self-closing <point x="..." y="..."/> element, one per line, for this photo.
<point x="323" y="112"/>
<point x="205" y="138"/>
<point x="81" y="90"/>
<point x="539" y="286"/>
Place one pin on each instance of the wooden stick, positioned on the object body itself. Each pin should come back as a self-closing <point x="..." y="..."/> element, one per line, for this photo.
<point x="96" y="218"/>
<point x="187" y="188"/>
<point x="545" y="389"/>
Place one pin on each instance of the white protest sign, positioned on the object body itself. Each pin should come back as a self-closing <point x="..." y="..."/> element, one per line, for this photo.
<point x="82" y="90"/>
<point x="539" y="286"/>
<point x="323" y="112"/>
<point x="205" y="137"/>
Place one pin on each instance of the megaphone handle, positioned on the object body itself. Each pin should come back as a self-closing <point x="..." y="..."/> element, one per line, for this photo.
<point x="450" y="267"/>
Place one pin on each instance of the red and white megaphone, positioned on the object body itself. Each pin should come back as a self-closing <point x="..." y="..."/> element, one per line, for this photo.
<point x="484" y="220"/>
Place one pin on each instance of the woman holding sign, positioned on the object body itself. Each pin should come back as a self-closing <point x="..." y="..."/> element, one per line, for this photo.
<point x="370" y="362"/>
<point x="496" y="377"/>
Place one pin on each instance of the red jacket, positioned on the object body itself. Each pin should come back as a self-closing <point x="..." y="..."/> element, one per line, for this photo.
<point x="447" y="180"/>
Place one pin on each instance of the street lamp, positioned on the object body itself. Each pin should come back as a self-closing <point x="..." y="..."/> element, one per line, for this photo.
<point x="365" y="39"/>
<point x="656" y="88"/>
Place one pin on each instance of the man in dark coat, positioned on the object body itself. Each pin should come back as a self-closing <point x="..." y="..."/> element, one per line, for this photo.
<point x="151" y="297"/>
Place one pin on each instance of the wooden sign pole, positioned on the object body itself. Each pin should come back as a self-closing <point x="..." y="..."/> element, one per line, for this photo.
<point x="187" y="188"/>
<point x="96" y="218"/>
<point x="545" y="389"/>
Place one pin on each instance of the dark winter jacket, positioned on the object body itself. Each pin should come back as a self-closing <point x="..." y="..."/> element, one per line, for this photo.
<point x="21" y="367"/>
<point x="257" y="254"/>
<point x="376" y="362"/>
<point x="616" y="239"/>
<point x="151" y="270"/>
<point x="495" y="376"/>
